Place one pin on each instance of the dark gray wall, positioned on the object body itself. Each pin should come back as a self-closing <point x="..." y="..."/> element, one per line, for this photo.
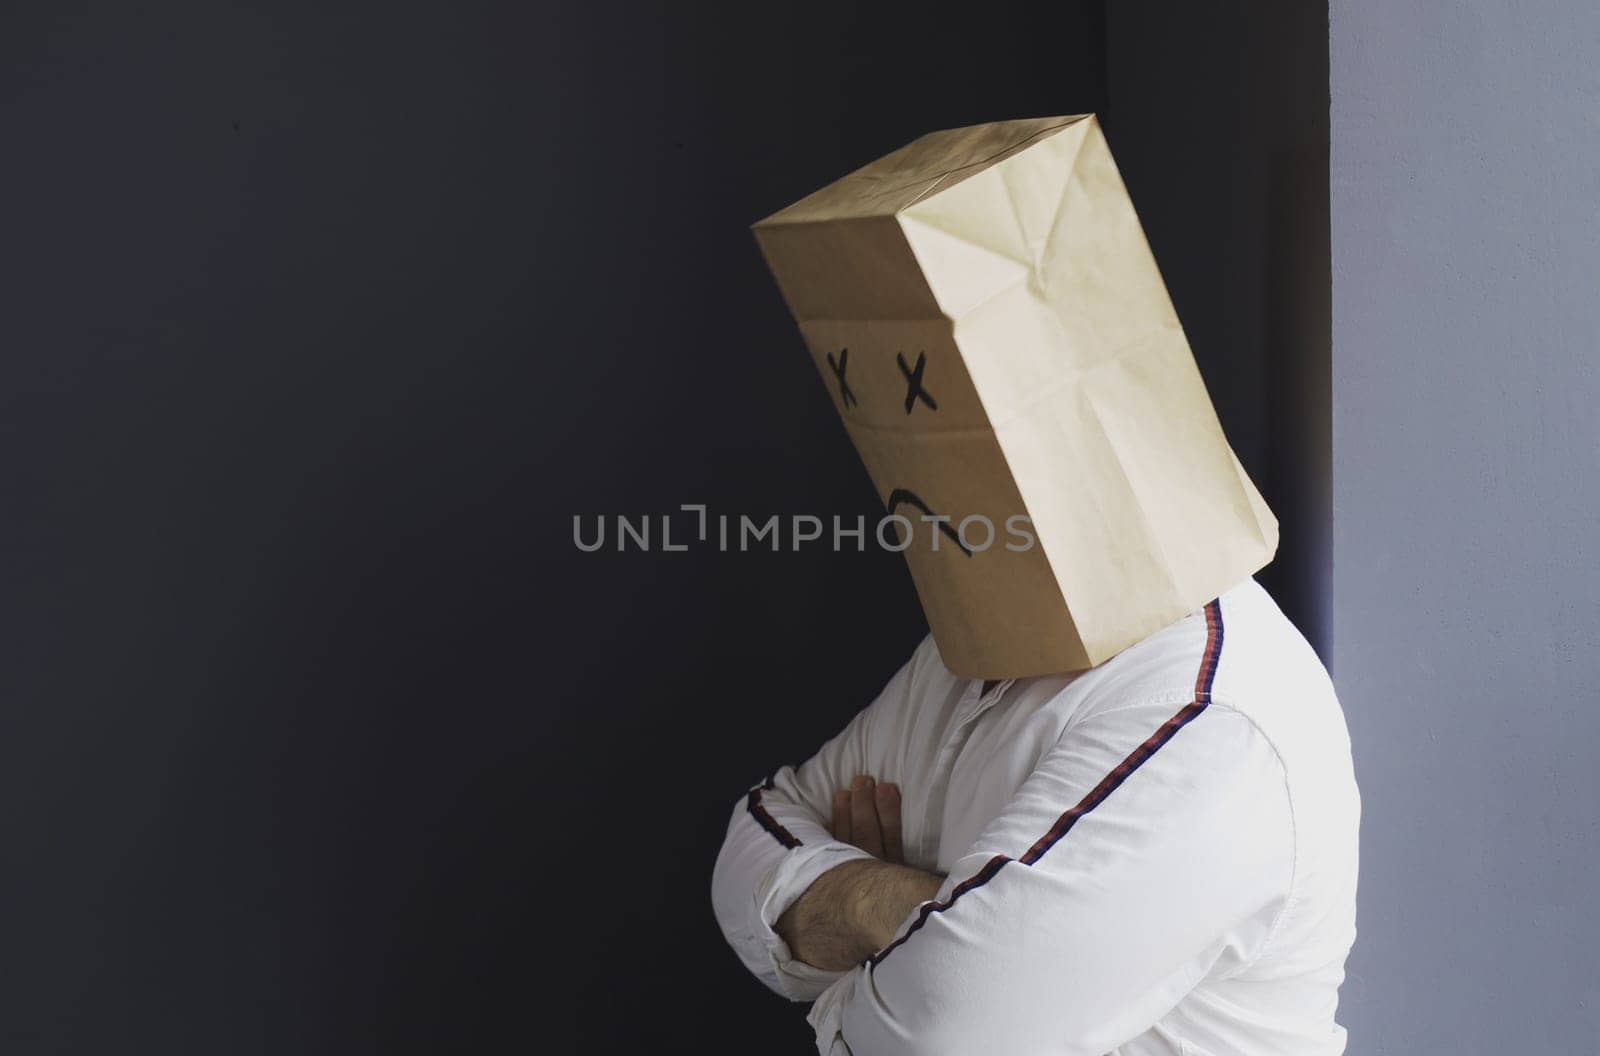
<point x="316" y="735"/>
<point x="320" y="323"/>
<point x="1219" y="120"/>
<point x="1466" y="245"/>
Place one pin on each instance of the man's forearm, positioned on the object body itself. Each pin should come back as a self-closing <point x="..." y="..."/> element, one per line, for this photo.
<point x="852" y="911"/>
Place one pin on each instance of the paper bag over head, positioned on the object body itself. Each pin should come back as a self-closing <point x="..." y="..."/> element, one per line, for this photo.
<point x="985" y="310"/>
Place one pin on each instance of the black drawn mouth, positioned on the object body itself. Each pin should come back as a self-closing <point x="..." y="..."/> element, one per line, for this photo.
<point x="903" y="497"/>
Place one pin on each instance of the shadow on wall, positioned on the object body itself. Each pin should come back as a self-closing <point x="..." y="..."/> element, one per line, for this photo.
<point x="1219" y="120"/>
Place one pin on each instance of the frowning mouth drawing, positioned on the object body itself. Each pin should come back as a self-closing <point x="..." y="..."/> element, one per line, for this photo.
<point x="904" y="497"/>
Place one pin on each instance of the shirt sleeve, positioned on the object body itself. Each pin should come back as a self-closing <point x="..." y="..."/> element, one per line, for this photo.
<point x="778" y="841"/>
<point x="1151" y="848"/>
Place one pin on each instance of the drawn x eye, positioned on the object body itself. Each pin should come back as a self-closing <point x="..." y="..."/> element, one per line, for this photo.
<point x="913" y="375"/>
<point x="845" y="394"/>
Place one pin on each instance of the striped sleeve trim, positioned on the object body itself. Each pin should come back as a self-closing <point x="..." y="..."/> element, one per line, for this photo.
<point x="1097" y="795"/>
<point x="752" y="803"/>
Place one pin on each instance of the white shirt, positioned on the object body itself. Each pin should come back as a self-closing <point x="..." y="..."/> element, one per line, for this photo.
<point x="1154" y="857"/>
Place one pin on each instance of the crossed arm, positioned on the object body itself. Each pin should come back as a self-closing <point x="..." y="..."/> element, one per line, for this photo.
<point x="1082" y="914"/>
<point x="854" y="910"/>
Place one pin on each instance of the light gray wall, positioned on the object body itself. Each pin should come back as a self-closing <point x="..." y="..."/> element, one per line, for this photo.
<point x="1466" y="603"/>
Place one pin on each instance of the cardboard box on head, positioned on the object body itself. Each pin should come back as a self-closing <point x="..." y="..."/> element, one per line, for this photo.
<point x="987" y="314"/>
